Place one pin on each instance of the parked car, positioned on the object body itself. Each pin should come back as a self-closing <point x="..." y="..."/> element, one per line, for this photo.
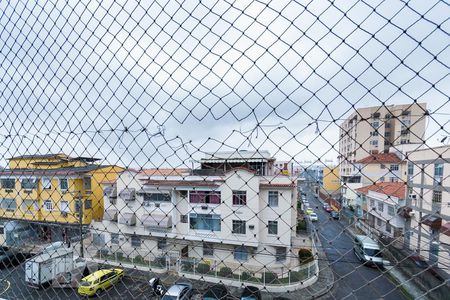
<point x="367" y="250"/>
<point x="328" y="209"/>
<point x="313" y="217"/>
<point x="325" y="205"/>
<point x="99" y="281"/>
<point x="216" y="292"/>
<point x="251" y="293"/>
<point x="179" y="291"/>
<point x="335" y="215"/>
<point x="309" y="211"/>
<point x="157" y="287"/>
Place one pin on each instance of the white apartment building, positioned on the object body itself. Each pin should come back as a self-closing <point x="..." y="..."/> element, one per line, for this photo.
<point x="429" y="199"/>
<point x="380" y="207"/>
<point x="374" y="130"/>
<point x="236" y="219"/>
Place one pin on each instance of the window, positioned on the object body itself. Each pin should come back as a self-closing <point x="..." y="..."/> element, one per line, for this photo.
<point x="208" y="249"/>
<point x="46" y="183"/>
<point x="382" y="166"/>
<point x="8" y="204"/>
<point x="87" y="183"/>
<point x="388" y="227"/>
<point x="63" y="184"/>
<point x="204" y="222"/>
<point x="64" y="206"/>
<point x="375" y="133"/>
<point x="374" y="142"/>
<point x="115" y="238"/>
<point x="379" y="222"/>
<point x="29" y="183"/>
<point x="8" y="183"/>
<point x="380" y="206"/>
<point x="273" y="199"/>
<point x="239" y="198"/>
<point x="135" y="241"/>
<point x="393" y="179"/>
<point x="28" y="206"/>
<point x="438" y="173"/>
<point x="48" y="205"/>
<point x="184" y="219"/>
<point x="273" y="227"/>
<point x="161" y="244"/>
<point x="207" y="197"/>
<point x="376" y="124"/>
<point x="372" y="202"/>
<point x="87" y="204"/>
<point x="155" y="197"/>
<point x="391" y="210"/>
<point x="241" y="253"/>
<point x="387" y="134"/>
<point x="393" y="167"/>
<point x="382" y="179"/>
<point x="280" y="254"/>
<point x="238" y="227"/>
<point x="437" y="197"/>
<point x="410" y="169"/>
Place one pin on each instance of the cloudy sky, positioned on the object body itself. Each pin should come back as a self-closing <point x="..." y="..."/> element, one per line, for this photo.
<point x="159" y="83"/>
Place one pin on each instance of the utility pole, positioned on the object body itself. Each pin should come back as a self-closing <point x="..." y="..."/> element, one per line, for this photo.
<point x="80" y="214"/>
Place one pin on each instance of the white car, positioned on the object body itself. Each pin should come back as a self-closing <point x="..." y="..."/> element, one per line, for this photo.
<point x="313" y="217"/>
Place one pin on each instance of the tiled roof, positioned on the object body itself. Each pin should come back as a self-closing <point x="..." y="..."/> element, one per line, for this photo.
<point x="52" y="172"/>
<point x="164" y="172"/>
<point x="181" y="183"/>
<point x="394" y="189"/>
<point x="380" y="158"/>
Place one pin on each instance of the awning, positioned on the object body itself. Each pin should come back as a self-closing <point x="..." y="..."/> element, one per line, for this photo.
<point x="128" y="194"/>
<point x="433" y="221"/>
<point x="127" y="219"/>
<point x="110" y="215"/>
<point x="157" y="221"/>
<point x="404" y="212"/>
<point x="445" y="229"/>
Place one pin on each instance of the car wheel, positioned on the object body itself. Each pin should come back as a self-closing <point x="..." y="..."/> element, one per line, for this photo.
<point x="98" y="292"/>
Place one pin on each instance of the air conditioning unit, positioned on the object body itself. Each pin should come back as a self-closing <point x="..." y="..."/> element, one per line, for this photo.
<point x="412" y="196"/>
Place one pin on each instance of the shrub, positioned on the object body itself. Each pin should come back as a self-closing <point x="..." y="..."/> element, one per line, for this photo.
<point x="297" y="276"/>
<point x="305" y="256"/>
<point x="246" y="276"/>
<point x="270" y="277"/>
<point x="159" y="261"/>
<point x="139" y="259"/>
<point x="187" y="266"/>
<point x="226" y="272"/>
<point x="203" y="268"/>
<point x="301" y="225"/>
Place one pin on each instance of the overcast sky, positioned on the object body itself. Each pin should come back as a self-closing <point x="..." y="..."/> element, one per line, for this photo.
<point x="160" y="83"/>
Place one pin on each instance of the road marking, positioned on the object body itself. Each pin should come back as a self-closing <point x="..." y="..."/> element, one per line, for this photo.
<point x="8" y="285"/>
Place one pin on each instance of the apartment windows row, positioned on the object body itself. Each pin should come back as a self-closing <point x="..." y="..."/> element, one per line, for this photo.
<point x="29" y="206"/>
<point x="380" y="206"/>
<point x="32" y="183"/>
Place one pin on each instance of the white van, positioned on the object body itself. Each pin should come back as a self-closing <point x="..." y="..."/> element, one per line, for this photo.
<point x="367" y="250"/>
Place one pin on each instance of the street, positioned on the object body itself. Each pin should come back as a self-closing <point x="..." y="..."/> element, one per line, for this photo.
<point x="352" y="279"/>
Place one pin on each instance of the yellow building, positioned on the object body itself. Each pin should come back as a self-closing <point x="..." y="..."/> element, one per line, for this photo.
<point x="53" y="188"/>
<point x="331" y="180"/>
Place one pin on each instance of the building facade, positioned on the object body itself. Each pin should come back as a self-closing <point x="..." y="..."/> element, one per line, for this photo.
<point x="47" y="197"/>
<point x="236" y="219"/>
<point x="429" y="200"/>
<point x="375" y="130"/>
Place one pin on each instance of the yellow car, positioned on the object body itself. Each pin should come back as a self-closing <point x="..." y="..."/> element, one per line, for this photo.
<point x="309" y="211"/>
<point x="99" y="281"/>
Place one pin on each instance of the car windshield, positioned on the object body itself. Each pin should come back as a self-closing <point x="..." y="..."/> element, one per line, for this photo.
<point x="373" y="252"/>
<point x="167" y="297"/>
<point x="85" y="283"/>
<point x="248" y="298"/>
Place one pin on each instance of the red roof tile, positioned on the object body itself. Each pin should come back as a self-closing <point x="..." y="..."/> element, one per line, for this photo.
<point x="181" y="183"/>
<point x="164" y="172"/>
<point x="380" y="158"/>
<point x="394" y="189"/>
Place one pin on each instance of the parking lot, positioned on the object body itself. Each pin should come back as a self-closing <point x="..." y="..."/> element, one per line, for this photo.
<point x="133" y="286"/>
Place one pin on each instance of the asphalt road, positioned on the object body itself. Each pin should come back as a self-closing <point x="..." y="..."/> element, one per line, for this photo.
<point x="353" y="280"/>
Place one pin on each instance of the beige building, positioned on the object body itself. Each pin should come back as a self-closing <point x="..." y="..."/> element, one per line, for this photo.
<point x="429" y="199"/>
<point x="374" y="130"/>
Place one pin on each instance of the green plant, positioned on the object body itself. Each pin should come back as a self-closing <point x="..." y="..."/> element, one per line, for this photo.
<point x="159" y="261"/>
<point x="301" y="225"/>
<point x="226" y="272"/>
<point x="270" y="277"/>
<point x="305" y="256"/>
<point x="187" y="266"/>
<point x="203" y="268"/>
<point x="139" y="259"/>
<point x="246" y="276"/>
<point x="296" y="276"/>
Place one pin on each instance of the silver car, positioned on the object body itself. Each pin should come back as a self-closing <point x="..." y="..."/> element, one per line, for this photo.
<point x="179" y="291"/>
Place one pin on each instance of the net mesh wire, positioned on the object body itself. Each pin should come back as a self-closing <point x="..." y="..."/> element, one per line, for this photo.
<point x="181" y="140"/>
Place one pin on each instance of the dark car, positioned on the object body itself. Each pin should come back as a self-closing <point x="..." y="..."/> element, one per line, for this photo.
<point x="251" y="293"/>
<point x="216" y="292"/>
<point x="334" y="214"/>
<point x="10" y="257"/>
